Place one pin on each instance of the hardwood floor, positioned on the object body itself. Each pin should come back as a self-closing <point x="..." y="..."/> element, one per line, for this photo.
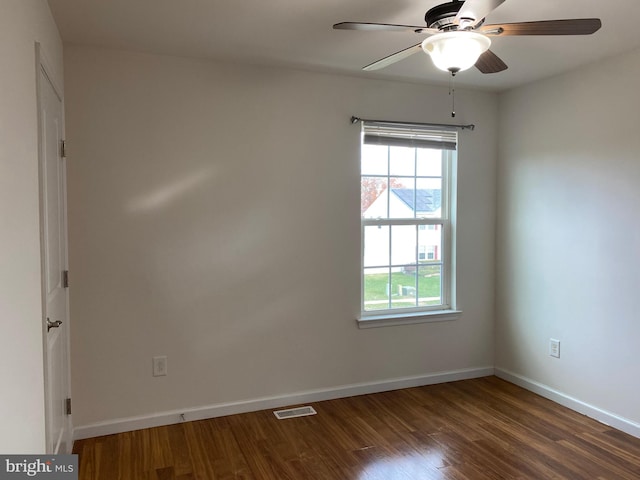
<point x="473" y="430"/>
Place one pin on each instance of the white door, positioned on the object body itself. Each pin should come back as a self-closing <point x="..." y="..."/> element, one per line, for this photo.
<point x="54" y="264"/>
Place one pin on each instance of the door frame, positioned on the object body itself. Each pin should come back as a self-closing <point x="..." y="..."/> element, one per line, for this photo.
<point x="44" y="67"/>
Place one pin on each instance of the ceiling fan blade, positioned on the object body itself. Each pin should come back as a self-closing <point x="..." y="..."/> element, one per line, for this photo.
<point x="473" y="11"/>
<point x="489" y="62"/>
<point x="383" y="27"/>
<point x="393" y="58"/>
<point x="576" y="26"/>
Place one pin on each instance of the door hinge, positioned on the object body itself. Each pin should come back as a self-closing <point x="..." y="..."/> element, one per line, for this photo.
<point x="68" y="406"/>
<point x="65" y="278"/>
<point x="63" y="148"/>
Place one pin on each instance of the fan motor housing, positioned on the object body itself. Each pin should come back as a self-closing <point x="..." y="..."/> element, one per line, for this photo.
<point x="442" y="16"/>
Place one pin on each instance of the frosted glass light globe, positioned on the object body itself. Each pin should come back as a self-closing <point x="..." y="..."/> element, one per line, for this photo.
<point x="455" y="51"/>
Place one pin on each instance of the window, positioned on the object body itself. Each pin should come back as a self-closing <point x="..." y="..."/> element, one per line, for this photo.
<point x="406" y="190"/>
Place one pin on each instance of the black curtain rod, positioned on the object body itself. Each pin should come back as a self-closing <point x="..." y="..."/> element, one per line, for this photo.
<point x="471" y="126"/>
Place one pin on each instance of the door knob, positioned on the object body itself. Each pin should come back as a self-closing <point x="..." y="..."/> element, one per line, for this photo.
<point x="51" y="324"/>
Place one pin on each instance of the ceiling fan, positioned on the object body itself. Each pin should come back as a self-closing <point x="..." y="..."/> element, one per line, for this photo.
<point x="458" y="39"/>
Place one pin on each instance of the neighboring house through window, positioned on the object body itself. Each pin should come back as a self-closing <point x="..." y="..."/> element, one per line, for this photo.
<point x="406" y="197"/>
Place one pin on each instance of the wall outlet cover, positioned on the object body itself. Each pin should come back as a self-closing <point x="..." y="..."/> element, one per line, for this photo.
<point x="160" y="366"/>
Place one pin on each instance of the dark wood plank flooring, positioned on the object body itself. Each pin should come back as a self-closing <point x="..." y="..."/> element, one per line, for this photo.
<point x="469" y="430"/>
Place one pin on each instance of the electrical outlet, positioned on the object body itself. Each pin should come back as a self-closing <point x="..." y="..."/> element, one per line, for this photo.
<point x="160" y="366"/>
<point x="554" y="347"/>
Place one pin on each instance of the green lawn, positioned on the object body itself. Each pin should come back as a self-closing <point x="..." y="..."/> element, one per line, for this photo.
<point x="375" y="288"/>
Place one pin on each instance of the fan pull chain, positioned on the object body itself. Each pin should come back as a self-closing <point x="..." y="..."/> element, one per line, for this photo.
<point x="452" y="92"/>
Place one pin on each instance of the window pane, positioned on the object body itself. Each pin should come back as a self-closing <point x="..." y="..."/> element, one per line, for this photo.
<point x="403" y="287"/>
<point x="375" y="160"/>
<point x="430" y="243"/>
<point x="429" y="162"/>
<point x="373" y="197"/>
<point x="429" y="285"/>
<point x="402" y="199"/>
<point x="376" y="288"/>
<point x="376" y="246"/>
<point x="403" y="244"/>
<point x="402" y="161"/>
<point x="429" y="198"/>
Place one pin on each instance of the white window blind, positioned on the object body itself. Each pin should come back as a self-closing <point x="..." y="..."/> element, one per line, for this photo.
<point x="409" y="135"/>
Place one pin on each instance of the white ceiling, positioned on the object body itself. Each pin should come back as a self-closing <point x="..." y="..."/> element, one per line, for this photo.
<point x="299" y="33"/>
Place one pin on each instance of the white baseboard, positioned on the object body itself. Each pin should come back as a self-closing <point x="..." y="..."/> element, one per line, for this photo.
<point x="199" y="413"/>
<point x="603" y="416"/>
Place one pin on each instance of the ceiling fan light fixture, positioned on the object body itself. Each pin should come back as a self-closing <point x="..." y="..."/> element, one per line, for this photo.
<point x="457" y="50"/>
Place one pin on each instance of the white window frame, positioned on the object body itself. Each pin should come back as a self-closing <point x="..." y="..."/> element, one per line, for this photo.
<point x="433" y="313"/>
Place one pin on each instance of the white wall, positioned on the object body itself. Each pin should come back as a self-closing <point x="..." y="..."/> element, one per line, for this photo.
<point x="568" y="234"/>
<point x="22" y="23"/>
<point x="214" y="218"/>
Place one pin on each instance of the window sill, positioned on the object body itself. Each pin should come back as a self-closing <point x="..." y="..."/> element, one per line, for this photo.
<point x="373" y="321"/>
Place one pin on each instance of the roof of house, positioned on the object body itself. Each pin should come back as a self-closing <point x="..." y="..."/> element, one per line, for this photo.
<point x="426" y="200"/>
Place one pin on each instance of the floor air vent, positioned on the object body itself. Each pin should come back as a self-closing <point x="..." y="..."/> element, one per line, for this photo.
<point x="294" y="412"/>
